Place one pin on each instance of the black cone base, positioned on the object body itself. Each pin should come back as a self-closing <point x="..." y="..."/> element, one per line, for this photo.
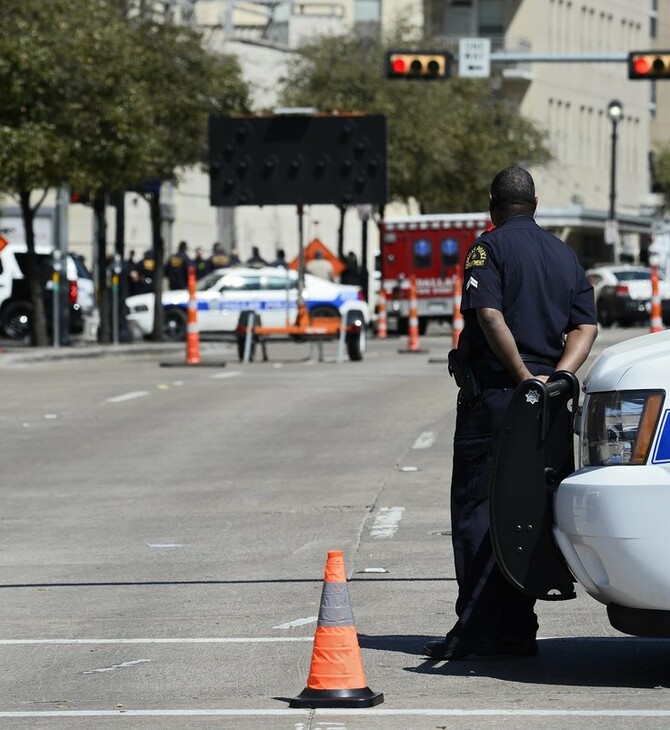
<point x="337" y="698"/>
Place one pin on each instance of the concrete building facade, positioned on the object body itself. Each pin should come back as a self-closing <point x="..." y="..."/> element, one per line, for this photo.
<point x="569" y="99"/>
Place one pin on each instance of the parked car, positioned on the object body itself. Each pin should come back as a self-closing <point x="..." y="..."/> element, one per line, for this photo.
<point x="16" y="309"/>
<point x="604" y="524"/>
<point x="623" y="294"/>
<point x="223" y="294"/>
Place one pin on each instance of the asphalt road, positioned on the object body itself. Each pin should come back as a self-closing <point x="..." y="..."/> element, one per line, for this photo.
<point x="165" y="531"/>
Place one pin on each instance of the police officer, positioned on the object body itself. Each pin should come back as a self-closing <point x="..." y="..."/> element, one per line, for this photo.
<point x="200" y="263"/>
<point x="218" y="259"/>
<point x="176" y="268"/>
<point x="144" y="281"/>
<point x="528" y="310"/>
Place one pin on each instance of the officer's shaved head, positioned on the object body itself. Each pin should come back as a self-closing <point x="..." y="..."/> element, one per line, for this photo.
<point x="512" y="193"/>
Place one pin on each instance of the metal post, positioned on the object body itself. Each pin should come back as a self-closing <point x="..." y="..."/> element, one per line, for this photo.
<point x="301" y="260"/>
<point x="364" y="213"/>
<point x="61" y="305"/>
<point x="55" y="279"/>
<point x="612" y="212"/>
<point x="614" y="111"/>
<point x="248" y="337"/>
<point x="116" y="271"/>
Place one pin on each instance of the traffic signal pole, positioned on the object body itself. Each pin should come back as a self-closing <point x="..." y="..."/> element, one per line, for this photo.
<point x="559" y="57"/>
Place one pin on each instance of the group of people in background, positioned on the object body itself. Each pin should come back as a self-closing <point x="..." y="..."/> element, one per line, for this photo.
<point x="140" y="275"/>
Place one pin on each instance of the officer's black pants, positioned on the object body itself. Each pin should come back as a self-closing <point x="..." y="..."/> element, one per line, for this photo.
<point x="488" y="606"/>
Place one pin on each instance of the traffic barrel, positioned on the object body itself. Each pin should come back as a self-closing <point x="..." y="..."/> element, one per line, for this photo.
<point x="457" y="316"/>
<point x="413" y="324"/>
<point x="656" y="318"/>
<point x="336" y="677"/>
<point x="382" y="322"/>
<point x="192" y="331"/>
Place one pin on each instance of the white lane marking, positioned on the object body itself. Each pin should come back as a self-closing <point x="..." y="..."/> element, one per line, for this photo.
<point x="409" y="468"/>
<point x="386" y="522"/>
<point x="374" y="570"/>
<point x="425" y="441"/>
<point x="298" y="622"/>
<point x="165" y="640"/>
<point x="354" y="712"/>
<point x="163" y="545"/>
<point x="228" y="374"/>
<point x="127" y="396"/>
<point x="131" y="663"/>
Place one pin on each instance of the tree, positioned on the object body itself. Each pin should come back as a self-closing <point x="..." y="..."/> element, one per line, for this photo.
<point x="445" y="138"/>
<point x="100" y="101"/>
<point x="186" y="85"/>
<point x="661" y="173"/>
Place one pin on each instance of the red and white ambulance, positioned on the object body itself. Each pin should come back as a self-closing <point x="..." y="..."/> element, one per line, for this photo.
<point x="431" y="248"/>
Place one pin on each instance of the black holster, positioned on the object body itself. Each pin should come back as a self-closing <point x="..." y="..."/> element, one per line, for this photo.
<point x="464" y="375"/>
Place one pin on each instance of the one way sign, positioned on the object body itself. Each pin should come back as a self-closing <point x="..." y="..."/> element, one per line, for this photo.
<point x="474" y="58"/>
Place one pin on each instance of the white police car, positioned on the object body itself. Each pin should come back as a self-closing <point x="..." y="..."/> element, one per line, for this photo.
<point x="223" y="294"/>
<point x="609" y="518"/>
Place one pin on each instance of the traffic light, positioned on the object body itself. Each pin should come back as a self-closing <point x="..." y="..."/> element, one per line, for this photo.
<point x="649" y="65"/>
<point x="417" y="65"/>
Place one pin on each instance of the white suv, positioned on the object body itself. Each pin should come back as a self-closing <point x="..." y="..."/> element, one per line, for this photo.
<point x="16" y="309"/>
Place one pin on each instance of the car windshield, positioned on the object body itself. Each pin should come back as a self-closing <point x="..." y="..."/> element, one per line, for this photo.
<point x="281" y="282"/>
<point x="207" y="282"/>
<point x="632" y="275"/>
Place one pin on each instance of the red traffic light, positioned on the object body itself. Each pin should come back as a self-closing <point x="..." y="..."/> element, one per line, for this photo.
<point x="417" y="65"/>
<point x="649" y="65"/>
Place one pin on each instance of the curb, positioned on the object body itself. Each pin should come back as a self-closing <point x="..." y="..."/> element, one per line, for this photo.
<point x="9" y="357"/>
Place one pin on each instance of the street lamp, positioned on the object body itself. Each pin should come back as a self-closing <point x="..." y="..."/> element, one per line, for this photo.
<point x="614" y="112"/>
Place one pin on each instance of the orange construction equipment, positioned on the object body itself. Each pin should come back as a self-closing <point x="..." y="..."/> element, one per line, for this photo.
<point x="192" y="331"/>
<point x="382" y="322"/>
<point x="336" y="676"/>
<point x="310" y="252"/>
<point x="457" y="317"/>
<point x="656" y="318"/>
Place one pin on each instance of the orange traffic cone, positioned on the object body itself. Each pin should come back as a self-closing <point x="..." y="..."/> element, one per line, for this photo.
<point x="457" y="317"/>
<point x="336" y="677"/>
<point x="192" y="331"/>
<point x="413" y="324"/>
<point x="656" y="318"/>
<point x="382" y="322"/>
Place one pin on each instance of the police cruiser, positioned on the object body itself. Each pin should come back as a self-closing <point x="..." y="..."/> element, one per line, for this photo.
<point x="223" y="294"/>
<point x="604" y="524"/>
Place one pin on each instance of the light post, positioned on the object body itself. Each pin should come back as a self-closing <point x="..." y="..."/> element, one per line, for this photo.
<point x="614" y="112"/>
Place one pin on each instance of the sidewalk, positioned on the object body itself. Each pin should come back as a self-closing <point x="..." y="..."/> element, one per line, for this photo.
<point x="18" y="354"/>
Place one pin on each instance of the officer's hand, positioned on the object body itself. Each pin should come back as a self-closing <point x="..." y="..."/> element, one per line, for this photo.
<point x="543" y="378"/>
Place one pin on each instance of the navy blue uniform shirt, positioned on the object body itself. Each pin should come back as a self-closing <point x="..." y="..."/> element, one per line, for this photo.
<point x="534" y="279"/>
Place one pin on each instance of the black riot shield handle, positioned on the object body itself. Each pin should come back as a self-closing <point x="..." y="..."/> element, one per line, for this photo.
<point x="534" y="453"/>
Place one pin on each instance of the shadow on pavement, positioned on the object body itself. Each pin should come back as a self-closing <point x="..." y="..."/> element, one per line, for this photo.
<point x="574" y="661"/>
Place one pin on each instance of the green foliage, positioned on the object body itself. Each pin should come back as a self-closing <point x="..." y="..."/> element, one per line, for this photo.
<point x="101" y="101"/>
<point x="661" y="171"/>
<point x="446" y="139"/>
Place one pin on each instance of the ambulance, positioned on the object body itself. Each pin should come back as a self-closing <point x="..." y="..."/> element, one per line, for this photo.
<point x="430" y="248"/>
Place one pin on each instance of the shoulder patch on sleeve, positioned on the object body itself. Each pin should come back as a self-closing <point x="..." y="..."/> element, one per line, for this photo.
<point x="477" y="258"/>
